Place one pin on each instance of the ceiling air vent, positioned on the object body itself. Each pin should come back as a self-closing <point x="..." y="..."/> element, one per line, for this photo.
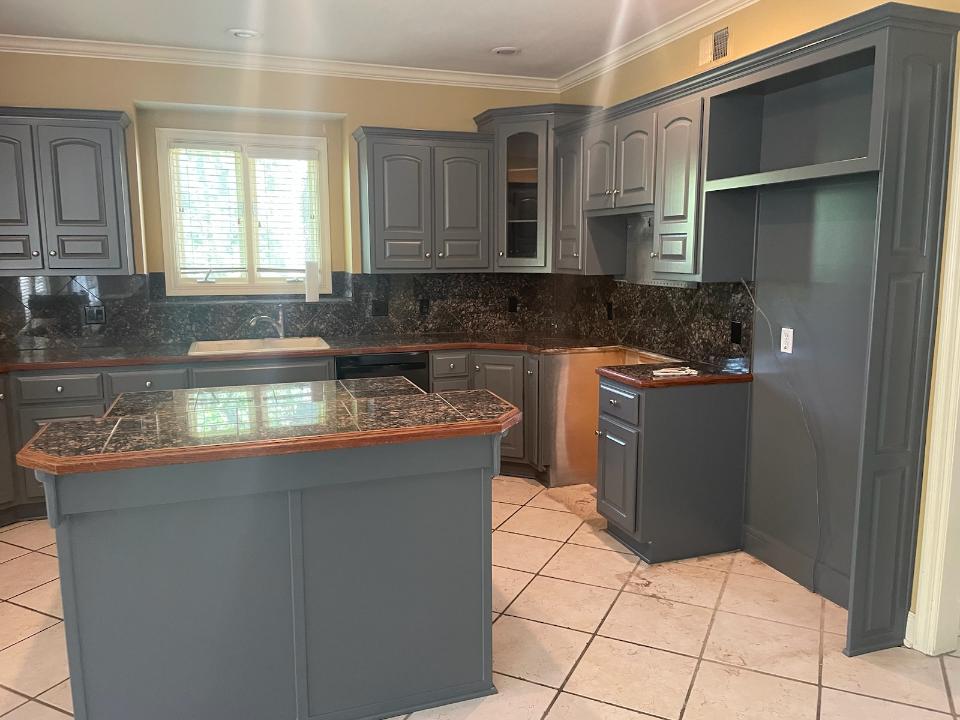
<point x="715" y="47"/>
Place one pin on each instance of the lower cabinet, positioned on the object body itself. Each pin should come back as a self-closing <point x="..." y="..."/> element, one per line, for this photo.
<point x="125" y="381"/>
<point x="29" y="420"/>
<point x="671" y="467"/>
<point x="225" y="374"/>
<point x="502" y="374"/>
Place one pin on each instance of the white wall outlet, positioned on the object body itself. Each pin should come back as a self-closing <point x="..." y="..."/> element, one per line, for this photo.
<point x="786" y="340"/>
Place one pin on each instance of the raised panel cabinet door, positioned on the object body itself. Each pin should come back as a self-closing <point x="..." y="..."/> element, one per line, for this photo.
<point x="502" y="374"/>
<point x="462" y="206"/>
<point x="617" y="473"/>
<point x="569" y="205"/>
<point x="19" y="212"/>
<point x="521" y="194"/>
<point x="403" y="217"/>
<point x="599" y="148"/>
<point x="636" y="159"/>
<point x="78" y="177"/>
<point x="30" y="419"/>
<point x="677" y="173"/>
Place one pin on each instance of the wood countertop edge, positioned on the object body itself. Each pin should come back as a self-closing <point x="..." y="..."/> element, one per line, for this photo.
<point x="37" y="460"/>
<point x="674" y="381"/>
<point x="17" y="366"/>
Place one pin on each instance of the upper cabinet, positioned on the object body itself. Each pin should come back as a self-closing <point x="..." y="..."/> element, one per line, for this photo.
<point x="524" y="173"/>
<point x="619" y="162"/>
<point x="64" y="195"/>
<point x="425" y="200"/>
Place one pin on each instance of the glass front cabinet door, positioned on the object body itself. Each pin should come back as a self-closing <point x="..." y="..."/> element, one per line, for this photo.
<point x="522" y="194"/>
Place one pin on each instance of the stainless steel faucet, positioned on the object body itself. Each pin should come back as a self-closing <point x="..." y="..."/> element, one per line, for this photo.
<point x="277" y="324"/>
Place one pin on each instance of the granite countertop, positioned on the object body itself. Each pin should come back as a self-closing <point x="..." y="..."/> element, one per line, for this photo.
<point x="207" y="424"/>
<point x="99" y="355"/>
<point x="641" y="376"/>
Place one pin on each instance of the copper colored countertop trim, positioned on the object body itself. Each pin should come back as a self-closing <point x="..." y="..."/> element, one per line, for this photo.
<point x="210" y="453"/>
<point x="701" y="379"/>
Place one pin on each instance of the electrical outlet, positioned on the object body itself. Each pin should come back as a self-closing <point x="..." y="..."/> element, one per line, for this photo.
<point x="736" y="332"/>
<point x="424" y="307"/>
<point x="786" y="340"/>
<point x="379" y="308"/>
<point x="609" y="310"/>
<point x="94" y="315"/>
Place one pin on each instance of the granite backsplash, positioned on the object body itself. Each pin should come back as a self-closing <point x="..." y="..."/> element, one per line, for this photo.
<point x="690" y="323"/>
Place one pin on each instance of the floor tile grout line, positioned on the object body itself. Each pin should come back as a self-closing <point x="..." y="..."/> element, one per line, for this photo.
<point x="823" y="612"/>
<point x="946" y="685"/>
<point x="703" y="646"/>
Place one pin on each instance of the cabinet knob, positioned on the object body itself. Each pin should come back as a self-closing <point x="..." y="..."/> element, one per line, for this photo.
<point x="599" y="433"/>
<point x="148" y="383"/>
<point x="53" y="253"/>
<point x="576" y="255"/>
<point x="439" y="254"/>
<point x="529" y="372"/>
<point x="35" y="253"/>
<point x="477" y="368"/>
<point x="59" y="388"/>
<point x="452" y="366"/>
<point x="500" y="253"/>
<point x="654" y="255"/>
<point x="3" y="396"/>
<point x="614" y="402"/>
<point x="607" y="192"/>
<point x="616" y="191"/>
<point x="426" y="254"/>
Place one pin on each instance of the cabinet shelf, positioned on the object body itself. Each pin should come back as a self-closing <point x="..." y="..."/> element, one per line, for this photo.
<point x="817" y="171"/>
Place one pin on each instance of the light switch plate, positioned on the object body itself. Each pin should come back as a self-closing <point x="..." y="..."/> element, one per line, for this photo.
<point x="786" y="340"/>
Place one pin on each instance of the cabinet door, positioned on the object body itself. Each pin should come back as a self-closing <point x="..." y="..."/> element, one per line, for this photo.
<point x="29" y="420"/>
<point x="502" y="374"/>
<point x="7" y="465"/>
<point x="599" y="147"/>
<point x="617" y="476"/>
<point x="402" y="197"/>
<point x="19" y="213"/>
<point x="78" y="176"/>
<point x="678" y="165"/>
<point x="635" y="159"/>
<point x="531" y="408"/>
<point x="522" y="194"/>
<point x="569" y="207"/>
<point x="217" y="375"/>
<point x="462" y="206"/>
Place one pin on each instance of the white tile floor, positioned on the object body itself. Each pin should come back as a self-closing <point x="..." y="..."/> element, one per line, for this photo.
<point x="582" y="631"/>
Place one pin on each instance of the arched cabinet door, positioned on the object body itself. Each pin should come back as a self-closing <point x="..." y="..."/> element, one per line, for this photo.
<point x="403" y="220"/>
<point x="599" y="147"/>
<point x="79" y="190"/>
<point x="19" y="214"/>
<point x="462" y="207"/>
<point x="635" y="159"/>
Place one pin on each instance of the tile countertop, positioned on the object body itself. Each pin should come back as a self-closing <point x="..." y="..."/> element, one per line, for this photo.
<point x="641" y="376"/>
<point x="201" y="425"/>
<point x="78" y="356"/>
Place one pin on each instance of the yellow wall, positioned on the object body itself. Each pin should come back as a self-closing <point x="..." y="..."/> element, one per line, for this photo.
<point x="67" y="82"/>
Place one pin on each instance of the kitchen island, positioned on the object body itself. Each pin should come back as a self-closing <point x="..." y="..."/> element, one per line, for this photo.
<point x="301" y="550"/>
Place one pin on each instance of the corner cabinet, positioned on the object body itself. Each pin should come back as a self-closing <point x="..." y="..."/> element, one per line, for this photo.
<point x="524" y="170"/>
<point x="425" y="200"/>
<point x="64" y="193"/>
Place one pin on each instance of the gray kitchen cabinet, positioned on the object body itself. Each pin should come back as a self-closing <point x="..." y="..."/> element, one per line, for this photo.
<point x="31" y="417"/>
<point x="64" y="194"/>
<point x="226" y="374"/>
<point x="502" y="373"/>
<point x="599" y="150"/>
<point x="425" y="200"/>
<point x="8" y="491"/>
<point x="663" y="498"/>
<point x="634" y="172"/>
<point x="531" y="409"/>
<point x="462" y="206"/>
<point x="618" y="448"/>
<point x="20" y="233"/>
<point x="569" y="223"/>
<point x="402" y="202"/>
<point x="677" y="183"/>
<point x="145" y="380"/>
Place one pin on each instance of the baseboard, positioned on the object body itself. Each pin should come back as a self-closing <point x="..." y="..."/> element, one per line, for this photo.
<point x="909" y="637"/>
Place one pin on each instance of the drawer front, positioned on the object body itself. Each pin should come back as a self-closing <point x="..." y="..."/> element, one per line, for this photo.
<point x="449" y="364"/>
<point x="621" y="403"/>
<point x="60" y="387"/>
<point x="215" y="376"/>
<point x="444" y="384"/>
<point x="145" y="380"/>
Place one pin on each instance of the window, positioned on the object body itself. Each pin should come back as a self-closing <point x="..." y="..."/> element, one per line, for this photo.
<point x="243" y="214"/>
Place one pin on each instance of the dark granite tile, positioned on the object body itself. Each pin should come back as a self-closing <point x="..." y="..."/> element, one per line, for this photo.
<point x="476" y="405"/>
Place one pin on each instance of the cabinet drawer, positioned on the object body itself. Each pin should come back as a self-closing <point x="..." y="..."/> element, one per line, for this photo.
<point x="620" y="403"/>
<point x="144" y="380"/>
<point x="60" y="387"/>
<point x="449" y="364"/>
<point x="444" y="384"/>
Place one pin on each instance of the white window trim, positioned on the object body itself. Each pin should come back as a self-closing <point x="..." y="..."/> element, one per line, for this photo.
<point x="177" y="285"/>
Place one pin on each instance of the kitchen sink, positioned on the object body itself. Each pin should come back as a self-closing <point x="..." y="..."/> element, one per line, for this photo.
<point x="265" y="345"/>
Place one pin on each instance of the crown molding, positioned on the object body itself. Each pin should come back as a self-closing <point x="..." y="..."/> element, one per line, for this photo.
<point x="705" y="14"/>
<point x="691" y="21"/>
<point x="104" y="50"/>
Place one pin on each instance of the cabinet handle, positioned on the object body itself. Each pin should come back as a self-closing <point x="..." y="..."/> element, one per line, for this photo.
<point x="616" y="191"/>
<point x="3" y="396"/>
<point x="599" y="433"/>
<point x="477" y="368"/>
<point x="529" y="372"/>
<point x="53" y="253"/>
<point x="59" y="388"/>
<point x="654" y="255"/>
<point x="452" y="366"/>
<point x="35" y="253"/>
<point x="576" y="255"/>
<point x="500" y="253"/>
<point x="148" y="383"/>
<point x="613" y="401"/>
<point x="426" y="254"/>
<point x="439" y="254"/>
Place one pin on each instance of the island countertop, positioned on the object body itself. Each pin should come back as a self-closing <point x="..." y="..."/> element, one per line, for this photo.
<point x="206" y="424"/>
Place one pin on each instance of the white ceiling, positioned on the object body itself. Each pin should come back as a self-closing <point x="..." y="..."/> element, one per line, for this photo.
<point x="556" y="36"/>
